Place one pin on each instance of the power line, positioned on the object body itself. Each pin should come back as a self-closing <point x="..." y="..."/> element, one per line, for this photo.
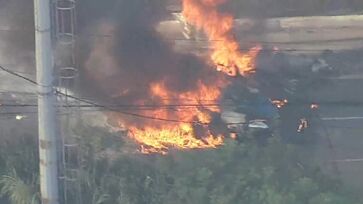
<point x="192" y="105"/>
<point x="331" y="145"/>
<point x="114" y="107"/>
<point x="199" y="47"/>
<point x="8" y="114"/>
<point x="216" y="40"/>
<point x="95" y="104"/>
<point x="123" y="112"/>
<point x="18" y="75"/>
<point x="122" y="105"/>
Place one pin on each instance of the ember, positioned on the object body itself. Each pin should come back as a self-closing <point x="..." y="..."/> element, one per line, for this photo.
<point x="280" y="103"/>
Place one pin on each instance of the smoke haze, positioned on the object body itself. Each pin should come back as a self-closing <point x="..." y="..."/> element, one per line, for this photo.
<point x="120" y="67"/>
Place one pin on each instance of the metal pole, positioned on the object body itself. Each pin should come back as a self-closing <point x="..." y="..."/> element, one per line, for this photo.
<point x="46" y="103"/>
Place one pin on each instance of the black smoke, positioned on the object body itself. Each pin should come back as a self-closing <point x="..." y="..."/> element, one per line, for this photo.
<point x="18" y="33"/>
<point x="140" y="55"/>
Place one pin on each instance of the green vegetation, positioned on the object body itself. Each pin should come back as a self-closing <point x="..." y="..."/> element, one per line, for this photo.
<point x="247" y="172"/>
<point x="19" y="170"/>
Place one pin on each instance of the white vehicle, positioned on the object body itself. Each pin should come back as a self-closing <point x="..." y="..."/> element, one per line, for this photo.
<point x="237" y="121"/>
<point x="259" y="124"/>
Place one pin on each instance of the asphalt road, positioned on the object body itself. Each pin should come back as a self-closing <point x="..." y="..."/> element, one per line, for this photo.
<point x="297" y="34"/>
<point x="339" y="144"/>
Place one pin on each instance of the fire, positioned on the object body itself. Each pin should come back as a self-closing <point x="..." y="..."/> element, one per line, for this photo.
<point x="160" y="136"/>
<point x="159" y="140"/>
<point x="226" y="55"/>
<point x="186" y="126"/>
<point x="280" y="103"/>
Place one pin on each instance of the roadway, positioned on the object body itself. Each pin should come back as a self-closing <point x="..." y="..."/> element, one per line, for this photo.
<point x="298" y="34"/>
<point x="339" y="146"/>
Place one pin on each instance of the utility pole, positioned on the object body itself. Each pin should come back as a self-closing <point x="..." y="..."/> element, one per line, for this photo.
<point x="46" y="103"/>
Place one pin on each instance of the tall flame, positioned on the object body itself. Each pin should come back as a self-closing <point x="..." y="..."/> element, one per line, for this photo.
<point x="226" y="55"/>
<point x="187" y="127"/>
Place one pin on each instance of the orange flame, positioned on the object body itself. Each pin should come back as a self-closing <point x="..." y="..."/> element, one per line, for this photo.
<point x="280" y="103"/>
<point x="181" y="132"/>
<point x="226" y="54"/>
<point x="158" y="138"/>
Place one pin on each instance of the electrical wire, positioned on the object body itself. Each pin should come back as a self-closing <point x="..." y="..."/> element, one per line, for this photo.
<point x="123" y="112"/>
<point x="115" y="108"/>
<point x="208" y="48"/>
<point x="122" y="105"/>
<point x="18" y="75"/>
<point x="12" y="114"/>
<point x="186" y="106"/>
<point x="4" y="91"/>
<point x="98" y="105"/>
<point x="331" y="145"/>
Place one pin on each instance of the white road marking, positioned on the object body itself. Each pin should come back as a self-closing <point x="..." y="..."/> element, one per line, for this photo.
<point x="342" y="118"/>
<point x="348" y="160"/>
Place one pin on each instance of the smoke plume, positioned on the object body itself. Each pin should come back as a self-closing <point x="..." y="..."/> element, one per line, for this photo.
<point x="127" y="56"/>
<point x="17" y="33"/>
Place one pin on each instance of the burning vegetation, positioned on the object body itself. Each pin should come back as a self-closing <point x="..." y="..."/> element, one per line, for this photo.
<point x="179" y="132"/>
<point x="179" y="94"/>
